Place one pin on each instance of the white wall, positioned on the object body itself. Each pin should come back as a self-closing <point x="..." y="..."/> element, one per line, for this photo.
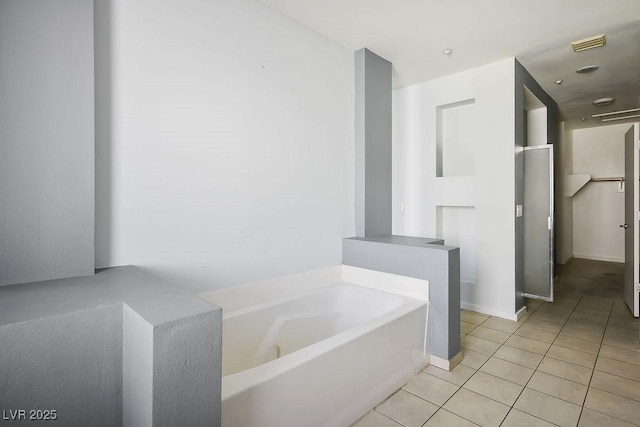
<point x="564" y="205"/>
<point x="598" y="208"/>
<point x="537" y="126"/>
<point x="225" y="142"/>
<point x="490" y="191"/>
<point x="46" y="140"/>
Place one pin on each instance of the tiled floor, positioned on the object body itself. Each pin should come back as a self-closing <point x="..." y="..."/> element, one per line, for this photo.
<point x="573" y="362"/>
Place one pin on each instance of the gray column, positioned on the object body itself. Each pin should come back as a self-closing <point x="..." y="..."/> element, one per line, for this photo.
<point x="46" y="140"/>
<point x="373" y="144"/>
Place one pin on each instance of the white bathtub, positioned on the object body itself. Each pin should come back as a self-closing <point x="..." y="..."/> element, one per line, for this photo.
<point x="319" y="348"/>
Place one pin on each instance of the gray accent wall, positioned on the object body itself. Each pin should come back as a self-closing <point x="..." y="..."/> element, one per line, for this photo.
<point x="373" y="144"/>
<point x="46" y="140"/>
<point x="523" y="78"/>
<point x="117" y="348"/>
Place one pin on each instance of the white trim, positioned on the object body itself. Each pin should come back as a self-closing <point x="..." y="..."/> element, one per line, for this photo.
<point x="489" y="311"/>
<point x="599" y="258"/>
<point x="521" y="312"/>
<point x="445" y="364"/>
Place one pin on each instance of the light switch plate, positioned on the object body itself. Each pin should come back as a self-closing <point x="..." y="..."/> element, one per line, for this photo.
<point x="518" y="211"/>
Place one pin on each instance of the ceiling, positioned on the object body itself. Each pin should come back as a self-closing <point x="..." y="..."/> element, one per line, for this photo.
<point x="413" y="33"/>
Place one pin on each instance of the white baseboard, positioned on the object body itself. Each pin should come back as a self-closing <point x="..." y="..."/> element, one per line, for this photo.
<point x="491" y="311"/>
<point x="445" y="364"/>
<point x="599" y="258"/>
<point x="521" y="312"/>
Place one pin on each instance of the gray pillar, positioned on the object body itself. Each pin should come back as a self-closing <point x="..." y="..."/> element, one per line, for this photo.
<point x="373" y="144"/>
<point x="46" y="140"/>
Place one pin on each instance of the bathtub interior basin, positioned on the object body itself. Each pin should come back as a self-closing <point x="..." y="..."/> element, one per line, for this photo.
<point x="266" y="333"/>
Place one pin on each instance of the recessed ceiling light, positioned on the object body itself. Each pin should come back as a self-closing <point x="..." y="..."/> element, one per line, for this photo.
<point x="447" y="51"/>
<point x="603" y="101"/>
<point x="558" y="82"/>
<point x="587" y="69"/>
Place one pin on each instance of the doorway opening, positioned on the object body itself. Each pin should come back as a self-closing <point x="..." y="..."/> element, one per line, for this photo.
<point x="591" y="232"/>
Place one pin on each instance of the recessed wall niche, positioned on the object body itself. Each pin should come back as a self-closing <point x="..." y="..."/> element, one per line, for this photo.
<point x="455" y="145"/>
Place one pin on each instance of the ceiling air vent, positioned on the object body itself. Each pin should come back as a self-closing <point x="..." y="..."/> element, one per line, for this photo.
<point x="588" y="43"/>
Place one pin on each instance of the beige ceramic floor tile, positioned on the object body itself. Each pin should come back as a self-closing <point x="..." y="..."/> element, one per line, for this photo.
<point x="473" y="359"/>
<point x="592" y="309"/>
<point x="544" y="325"/>
<point x="597" y="301"/>
<point x="507" y="370"/>
<point x="444" y="418"/>
<point x="595" y="305"/>
<point x="558" y="387"/>
<point x="407" y="409"/>
<point x="616" y="385"/>
<point x="577" y="344"/>
<point x="522" y="419"/>
<point x="490" y="334"/>
<point x="616" y="367"/>
<point x="591" y="324"/>
<point x="590" y="418"/>
<point x="478" y="344"/>
<point x="620" y="310"/>
<point x="524" y="343"/>
<point x="503" y="325"/>
<point x="622" y="342"/>
<point x="466" y="327"/>
<point x="566" y="370"/>
<point x="584" y="333"/>
<point x="458" y="375"/>
<point x="613" y="405"/>
<point x="375" y="419"/>
<point x="589" y="318"/>
<point x="629" y="334"/>
<point x="520" y="357"/>
<point x="566" y="299"/>
<point x="532" y="304"/>
<point x="624" y="322"/>
<point x="587" y="360"/>
<point x="471" y="317"/>
<point x="430" y="388"/>
<point x="617" y="353"/>
<point x="536" y="334"/>
<point x="493" y="387"/>
<point x="476" y="408"/>
<point x="555" y="319"/>
<point x="558" y="311"/>
<point x="548" y="408"/>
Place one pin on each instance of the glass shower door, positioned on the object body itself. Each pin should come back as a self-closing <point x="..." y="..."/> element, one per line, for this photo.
<point x="538" y="222"/>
